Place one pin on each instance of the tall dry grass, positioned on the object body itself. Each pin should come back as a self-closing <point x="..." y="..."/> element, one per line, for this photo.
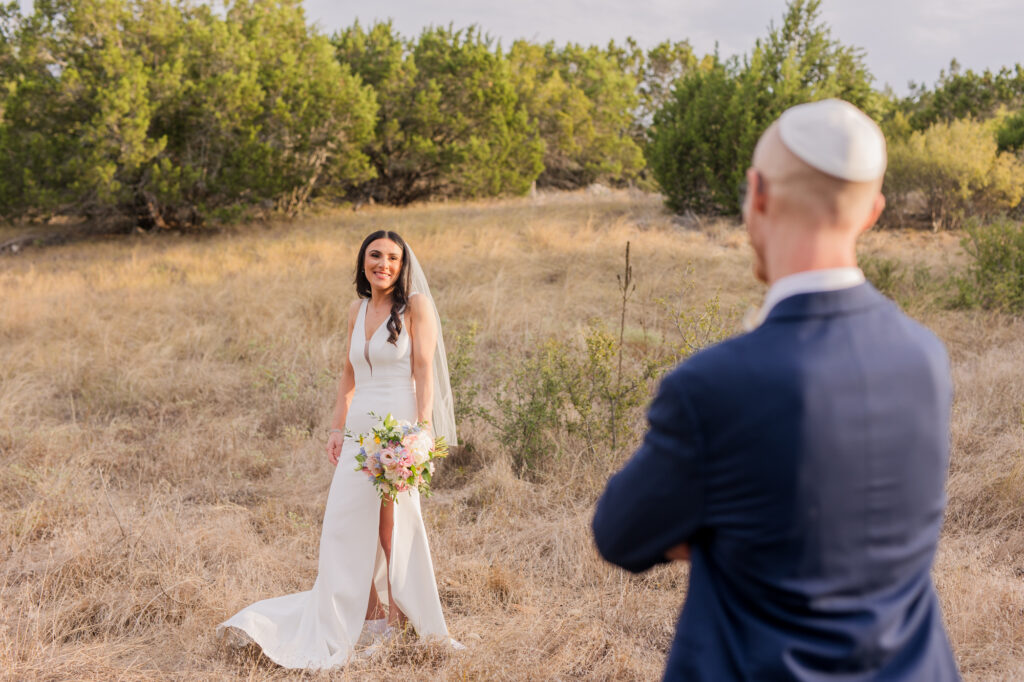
<point x="162" y="404"/>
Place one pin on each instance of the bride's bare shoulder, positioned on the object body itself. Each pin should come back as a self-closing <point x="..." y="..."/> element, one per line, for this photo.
<point x="353" y="312"/>
<point x="418" y="304"/>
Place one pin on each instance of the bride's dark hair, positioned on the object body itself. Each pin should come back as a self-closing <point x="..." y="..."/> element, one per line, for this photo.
<point x="400" y="294"/>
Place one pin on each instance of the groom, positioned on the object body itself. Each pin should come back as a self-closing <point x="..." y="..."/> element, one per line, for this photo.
<point x="800" y="467"/>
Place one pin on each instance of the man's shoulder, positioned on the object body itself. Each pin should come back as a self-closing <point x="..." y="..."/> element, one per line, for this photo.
<point x="777" y="346"/>
<point x="713" y="364"/>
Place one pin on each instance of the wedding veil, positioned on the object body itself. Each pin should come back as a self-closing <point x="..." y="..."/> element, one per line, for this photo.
<point x="443" y="419"/>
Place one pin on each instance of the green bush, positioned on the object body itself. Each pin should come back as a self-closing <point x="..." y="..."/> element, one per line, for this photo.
<point x="995" y="277"/>
<point x="582" y="102"/>
<point x="529" y="408"/>
<point x="450" y="122"/>
<point x="589" y="393"/>
<point x="952" y="171"/>
<point x="692" y="150"/>
<point x="964" y="94"/>
<point x="1010" y="135"/>
<point x="162" y="113"/>
<point x="465" y="388"/>
<point x="914" y="287"/>
<point x="701" y="141"/>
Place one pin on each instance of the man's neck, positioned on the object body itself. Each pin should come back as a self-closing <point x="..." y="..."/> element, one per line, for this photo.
<point x="807" y="250"/>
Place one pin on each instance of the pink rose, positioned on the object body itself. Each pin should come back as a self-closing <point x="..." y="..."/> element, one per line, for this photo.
<point x="388" y="457"/>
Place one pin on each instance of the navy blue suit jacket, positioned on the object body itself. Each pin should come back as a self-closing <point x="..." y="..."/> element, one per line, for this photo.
<point x="805" y="464"/>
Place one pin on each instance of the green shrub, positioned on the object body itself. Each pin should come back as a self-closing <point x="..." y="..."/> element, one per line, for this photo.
<point x="1010" y="136"/>
<point x="465" y="388"/>
<point x="450" y="122"/>
<point x="162" y="113"/>
<point x="701" y="141"/>
<point x="953" y="171"/>
<point x="589" y="393"/>
<point x="582" y="102"/>
<point x="692" y="149"/>
<point x="529" y="408"/>
<point x="995" y="277"/>
<point x="913" y="287"/>
<point x="964" y="94"/>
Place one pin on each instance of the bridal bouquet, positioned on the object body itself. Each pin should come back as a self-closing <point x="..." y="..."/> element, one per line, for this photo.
<point x="399" y="456"/>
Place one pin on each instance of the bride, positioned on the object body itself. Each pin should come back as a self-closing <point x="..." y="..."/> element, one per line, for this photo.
<point x="375" y="573"/>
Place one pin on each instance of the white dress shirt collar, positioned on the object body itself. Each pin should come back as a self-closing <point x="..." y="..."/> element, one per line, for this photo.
<point x="806" y="282"/>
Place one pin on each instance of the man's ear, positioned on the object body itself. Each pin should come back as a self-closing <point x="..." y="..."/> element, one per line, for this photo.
<point x="876" y="211"/>
<point x="758" y="190"/>
<point x="753" y="200"/>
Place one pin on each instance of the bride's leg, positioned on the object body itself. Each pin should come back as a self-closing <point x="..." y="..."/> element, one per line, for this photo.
<point x="387" y="523"/>
<point x="374" y="608"/>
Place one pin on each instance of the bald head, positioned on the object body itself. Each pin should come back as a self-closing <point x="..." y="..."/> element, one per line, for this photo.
<point x="801" y="193"/>
<point x="815" y="184"/>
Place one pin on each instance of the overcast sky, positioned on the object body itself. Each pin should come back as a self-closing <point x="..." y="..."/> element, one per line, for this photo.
<point x="904" y="39"/>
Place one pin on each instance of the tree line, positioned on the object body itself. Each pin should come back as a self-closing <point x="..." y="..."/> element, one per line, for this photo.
<point x="954" y="148"/>
<point x="167" y="113"/>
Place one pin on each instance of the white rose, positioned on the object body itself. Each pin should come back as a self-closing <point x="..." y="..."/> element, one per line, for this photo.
<point x="421" y="449"/>
<point x="418" y="445"/>
<point x="371" y="446"/>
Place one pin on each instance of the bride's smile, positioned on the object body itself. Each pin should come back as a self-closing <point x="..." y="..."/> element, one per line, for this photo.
<point x="383" y="263"/>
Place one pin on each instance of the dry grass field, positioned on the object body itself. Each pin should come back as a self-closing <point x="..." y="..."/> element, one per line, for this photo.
<point x="162" y="409"/>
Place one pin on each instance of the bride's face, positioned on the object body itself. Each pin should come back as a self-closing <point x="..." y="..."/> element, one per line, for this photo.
<point x="382" y="263"/>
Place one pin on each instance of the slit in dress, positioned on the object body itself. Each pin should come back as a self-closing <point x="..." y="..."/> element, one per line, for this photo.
<point x="366" y="341"/>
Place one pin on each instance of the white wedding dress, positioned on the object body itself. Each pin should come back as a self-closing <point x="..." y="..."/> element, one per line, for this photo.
<point x="319" y="629"/>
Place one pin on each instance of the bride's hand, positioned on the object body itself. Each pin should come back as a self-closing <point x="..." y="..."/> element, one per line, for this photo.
<point x="334" y="443"/>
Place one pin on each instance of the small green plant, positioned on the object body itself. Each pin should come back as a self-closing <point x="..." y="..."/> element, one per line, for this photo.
<point x="283" y="383"/>
<point x="885" y="274"/>
<point x="530" y="407"/>
<point x="692" y="326"/>
<point x="914" y="287"/>
<point x="591" y="391"/>
<point x="605" y="394"/>
<point x="465" y="388"/>
<point x="995" y="278"/>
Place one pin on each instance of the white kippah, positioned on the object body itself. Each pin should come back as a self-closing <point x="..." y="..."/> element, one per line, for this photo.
<point x="836" y="138"/>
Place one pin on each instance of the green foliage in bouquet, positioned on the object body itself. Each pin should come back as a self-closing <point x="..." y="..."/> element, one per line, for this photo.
<point x="398" y="457"/>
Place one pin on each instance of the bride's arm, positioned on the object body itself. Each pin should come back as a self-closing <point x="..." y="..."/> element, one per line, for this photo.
<point x="346" y="386"/>
<point x="423" y="330"/>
